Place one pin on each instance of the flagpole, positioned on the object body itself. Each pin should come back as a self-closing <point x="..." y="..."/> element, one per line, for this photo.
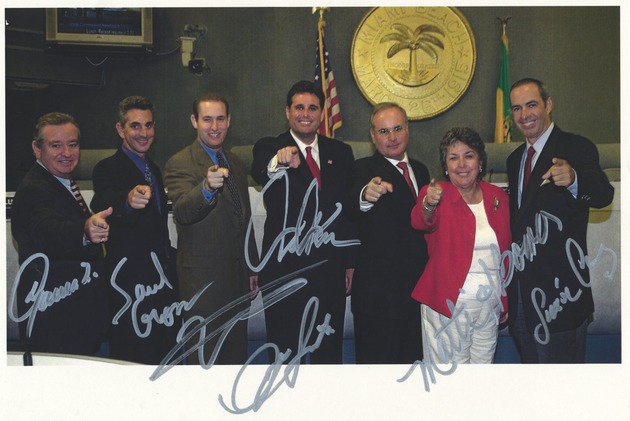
<point x="320" y="39"/>
<point x="503" y="114"/>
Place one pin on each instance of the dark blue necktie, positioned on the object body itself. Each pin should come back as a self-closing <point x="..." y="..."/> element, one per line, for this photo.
<point x="148" y="176"/>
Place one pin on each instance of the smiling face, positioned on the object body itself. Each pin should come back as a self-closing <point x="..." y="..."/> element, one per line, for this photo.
<point x="212" y="124"/>
<point x="59" y="150"/>
<point x="138" y="132"/>
<point x="463" y="165"/>
<point x="390" y="133"/>
<point x="531" y="114"/>
<point x="304" y="115"/>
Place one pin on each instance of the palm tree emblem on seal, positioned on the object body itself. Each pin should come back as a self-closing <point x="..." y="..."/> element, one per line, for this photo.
<point x="423" y="38"/>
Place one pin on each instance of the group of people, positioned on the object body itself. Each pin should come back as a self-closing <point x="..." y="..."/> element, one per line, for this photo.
<point x="434" y="267"/>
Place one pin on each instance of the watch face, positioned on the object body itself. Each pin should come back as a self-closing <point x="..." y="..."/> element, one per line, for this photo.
<point x="422" y="58"/>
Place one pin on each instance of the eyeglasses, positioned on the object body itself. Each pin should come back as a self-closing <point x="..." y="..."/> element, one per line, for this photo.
<point x="384" y="132"/>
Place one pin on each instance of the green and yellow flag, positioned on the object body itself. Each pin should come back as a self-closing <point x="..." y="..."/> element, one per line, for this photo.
<point x="503" y="125"/>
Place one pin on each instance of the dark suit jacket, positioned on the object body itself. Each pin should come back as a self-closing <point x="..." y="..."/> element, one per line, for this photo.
<point x="47" y="219"/>
<point x="551" y="260"/>
<point x="211" y="239"/>
<point x="134" y="235"/>
<point x="335" y="167"/>
<point x="392" y="255"/>
<point x="133" y="232"/>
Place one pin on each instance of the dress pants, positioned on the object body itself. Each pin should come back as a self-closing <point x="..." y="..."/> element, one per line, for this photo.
<point x="470" y="336"/>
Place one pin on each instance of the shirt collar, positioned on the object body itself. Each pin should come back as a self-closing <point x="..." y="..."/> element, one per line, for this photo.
<point x="211" y="152"/>
<point x="64" y="181"/>
<point x="137" y="160"/>
<point x="395" y="162"/>
<point x="314" y="145"/>
<point x="542" y="140"/>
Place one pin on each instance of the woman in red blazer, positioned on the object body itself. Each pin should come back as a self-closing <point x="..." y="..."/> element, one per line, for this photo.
<point x="467" y="227"/>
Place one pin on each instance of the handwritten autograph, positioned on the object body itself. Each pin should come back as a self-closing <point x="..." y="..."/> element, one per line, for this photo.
<point x="168" y="313"/>
<point x="514" y="260"/>
<point x="428" y="366"/>
<point x="196" y="325"/>
<point x="546" y="314"/>
<point x="447" y="342"/>
<point x="42" y="299"/>
<point x="270" y="382"/>
<point x="518" y="255"/>
<point x="299" y="239"/>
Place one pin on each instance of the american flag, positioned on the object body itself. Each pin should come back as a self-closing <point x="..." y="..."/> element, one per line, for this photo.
<point x="331" y="120"/>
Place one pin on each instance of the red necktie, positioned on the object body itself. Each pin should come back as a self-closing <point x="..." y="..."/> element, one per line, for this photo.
<point x="313" y="166"/>
<point x="403" y="167"/>
<point x="527" y="171"/>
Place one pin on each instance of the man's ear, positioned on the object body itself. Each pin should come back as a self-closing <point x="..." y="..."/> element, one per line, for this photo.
<point x="119" y="129"/>
<point x="36" y="150"/>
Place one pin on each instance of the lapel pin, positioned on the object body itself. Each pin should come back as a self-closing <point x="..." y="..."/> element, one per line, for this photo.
<point x="330" y="162"/>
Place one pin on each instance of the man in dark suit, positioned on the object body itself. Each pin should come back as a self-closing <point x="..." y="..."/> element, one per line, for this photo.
<point x="138" y="251"/>
<point x="387" y="324"/>
<point x="61" y="294"/>
<point x="208" y="186"/>
<point x="550" y="299"/>
<point x="306" y="178"/>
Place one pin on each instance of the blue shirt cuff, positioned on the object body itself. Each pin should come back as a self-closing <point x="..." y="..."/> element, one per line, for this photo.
<point x="209" y="195"/>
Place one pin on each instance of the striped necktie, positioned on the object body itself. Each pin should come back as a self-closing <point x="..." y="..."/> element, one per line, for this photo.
<point x="79" y="198"/>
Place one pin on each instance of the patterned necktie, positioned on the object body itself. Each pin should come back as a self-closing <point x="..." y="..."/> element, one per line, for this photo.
<point x="79" y="198"/>
<point x="231" y="185"/>
<point x="527" y="171"/>
<point x="313" y="166"/>
<point x="403" y="167"/>
<point x="148" y="176"/>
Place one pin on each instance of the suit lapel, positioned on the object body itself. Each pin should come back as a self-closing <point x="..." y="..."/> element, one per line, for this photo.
<point x="62" y="191"/>
<point x="397" y="179"/>
<point x="134" y="174"/>
<point x="201" y="158"/>
<point x="326" y="161"/>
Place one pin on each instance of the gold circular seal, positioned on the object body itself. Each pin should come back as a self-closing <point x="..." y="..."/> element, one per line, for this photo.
<point x="422" y="58"/>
